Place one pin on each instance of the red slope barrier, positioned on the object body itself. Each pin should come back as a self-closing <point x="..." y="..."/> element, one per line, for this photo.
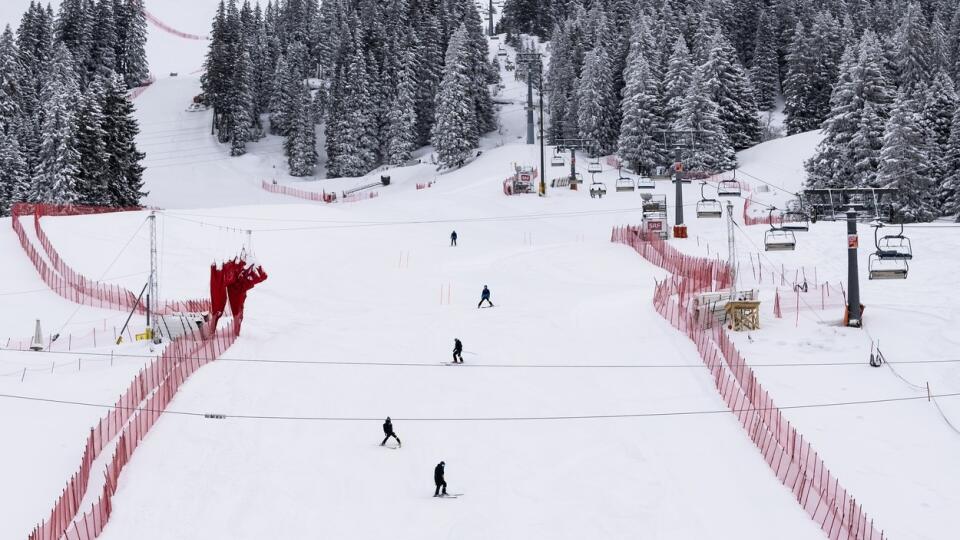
<point x="791" y="458"/>
<point x="163" y="26"/>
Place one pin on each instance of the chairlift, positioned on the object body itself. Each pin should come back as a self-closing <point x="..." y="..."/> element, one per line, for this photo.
<point x="708" y="208"/>
<point x="728" y="188"/>
<point x="796" y="220"/>
<point x="890" y="260"/>
<point x="557" y="159"/>
<point x="778" y="238"/>
<point x="593" y="166"/>
<point x="645" y="182"/>
<point x="625" y="184"/>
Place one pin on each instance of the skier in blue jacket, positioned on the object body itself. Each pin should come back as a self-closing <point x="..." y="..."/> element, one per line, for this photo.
<point x="485" y="296"/>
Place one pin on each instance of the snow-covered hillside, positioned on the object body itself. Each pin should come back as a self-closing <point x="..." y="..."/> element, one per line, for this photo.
<point x="578" y="413"/>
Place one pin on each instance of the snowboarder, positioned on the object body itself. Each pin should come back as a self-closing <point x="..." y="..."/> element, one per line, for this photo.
<point x="388" y="432"/>
<point x="485" y="295"/>
<point x="457" y="351"/>
<point x="453" y="239"/>
<point x="439" y="481"/>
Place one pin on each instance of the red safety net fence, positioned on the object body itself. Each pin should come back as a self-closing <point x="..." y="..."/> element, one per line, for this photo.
<point x="137" y="410"/>
<point x="163" y="26"/>
<point x="792" y="459"/>
<point x="299" y="193"/>
<point x="69" y="283"/>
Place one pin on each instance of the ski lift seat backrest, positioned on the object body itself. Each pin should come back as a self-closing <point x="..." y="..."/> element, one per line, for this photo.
<point x="894" y="247"/>
<point x="728" y="188"/>
<point x="880" y="268"/>
<point x="709" y="208"/>
<point x="645" y="182"/>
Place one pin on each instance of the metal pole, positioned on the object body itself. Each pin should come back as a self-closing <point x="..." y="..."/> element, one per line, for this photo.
<point x="152" y="290"/>
<point x="678" y="178"/>
<point x="732" y="249"/>
<point x="529" y="101"/>
<point x="573" y="167"/>
<point x="543" y="171"/>
<point x="853" y="274"/>
<point x="490" y="16"/>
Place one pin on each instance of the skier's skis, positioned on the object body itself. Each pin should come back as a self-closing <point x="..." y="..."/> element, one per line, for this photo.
<point x="449" y="496"/>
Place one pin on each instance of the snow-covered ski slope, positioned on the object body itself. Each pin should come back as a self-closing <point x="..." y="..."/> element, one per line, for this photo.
<point x="375" y="282"/>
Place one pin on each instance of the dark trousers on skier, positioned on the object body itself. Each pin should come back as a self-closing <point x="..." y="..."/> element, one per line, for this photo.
<point x="440" y="484"/>
<point x="457" y="356"/>
<point x="394" y="435"/>
<point x="453" y="241"/>
<point x="485" y="299"/>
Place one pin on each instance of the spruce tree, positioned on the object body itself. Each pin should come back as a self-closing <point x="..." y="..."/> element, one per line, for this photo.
<point x="92" y="172"/>
<point x="132" y="59"/>
<point x="913" y="49"/>
<point x="638" y="144"/>
<point x="940" y="103"/>
<point x="832" y="164"/>
<point x="402" y="118"/>
<point x="949" y="193"/>
<point x="903" y="161"/>
<point x="596" y="103"/>
<point x="730" y="89"/>
<point x="14" y="179"/>
<point x="124" y="172"/>
<point x="59" y="160"/>
<point x="301" y="144"/>
<point x="676" y="81"/>
<point x="699" y="113"/>
<point x="764" y="71"/>
<point x="454" y="134"/>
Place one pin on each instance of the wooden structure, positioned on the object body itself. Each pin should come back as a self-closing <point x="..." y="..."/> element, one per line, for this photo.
<point x="743" y="315"/>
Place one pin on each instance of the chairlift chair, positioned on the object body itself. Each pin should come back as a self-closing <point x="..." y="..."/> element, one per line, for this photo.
<point x="708" y="208"/>
<point x="625" y="184"/>
<point x="778" y="238"/>
<point x="796" y="221"/>
<point x="728" y="188"/>
<point x="645" y="182"/>
<point x="892" y="246"/>
<point x="594" y="166"/>
<point x="557" y="160"/>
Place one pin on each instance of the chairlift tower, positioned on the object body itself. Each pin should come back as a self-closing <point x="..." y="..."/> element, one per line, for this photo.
<point x="680" y="140"/>
<point x="853" y="275"/>
<point x="731" y="249"/>
<point x="534" y="64"/>
<point x="490" y="18"/>
<point x="573" y="145"/>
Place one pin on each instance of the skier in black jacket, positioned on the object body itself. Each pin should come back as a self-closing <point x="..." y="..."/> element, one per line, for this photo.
<point x="485" y="297"/>
<point x="457" y="351"/>
<point x="388" y="432"/>
<point x="438" y="480"/>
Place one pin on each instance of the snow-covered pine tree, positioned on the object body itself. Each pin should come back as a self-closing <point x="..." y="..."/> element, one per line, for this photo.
<point x="74" y="29"/>
<point x="560" y="80"/>
<point x="595" y="103"/>
<point x="431" y="54"/>
<point x="350" y="151"/>
<point x="301" y="144"/>
<point x="949" y="194"/>
<point x="903" y="161"/>
<point x="103" y="41"/>
<point x="11" y="77"/>
<point x="14" y="180"/>
<point x="913" y="49"/>
<point x="940" y="103"/>
<point x="34" y="47"/>
<point x="92" y="172"/>
<point x="730" y="89"/>
<point x="132" y="57"/>
<point x="676" y="81"/>
<point x="797" y="86"/>
<point x="699" y="113"/>
<point x="59" y="159"/>
<point x="124" y="172"/>
<point x="242" y="108"/>
<point x="284" y="94"/>
<point x="832" y="163"/>
<point x="454" y="134"/>
<point x="875" y="93"/>
<point x="764" y="71"/>
<point x="402" y="118"/>
<point x="478" y="49"/>
<point x="638" y="145"/>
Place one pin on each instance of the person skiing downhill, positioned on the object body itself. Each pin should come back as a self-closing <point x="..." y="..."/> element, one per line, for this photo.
<point x="453" y="239"/>
<point x="485" y="295"/>
<point x="439" y="481"/>
<point x="457" y="351"/>
<point x="388" y="432"/>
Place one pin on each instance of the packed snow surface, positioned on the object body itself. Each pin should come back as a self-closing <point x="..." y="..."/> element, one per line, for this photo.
<point x="376" y="282"/>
